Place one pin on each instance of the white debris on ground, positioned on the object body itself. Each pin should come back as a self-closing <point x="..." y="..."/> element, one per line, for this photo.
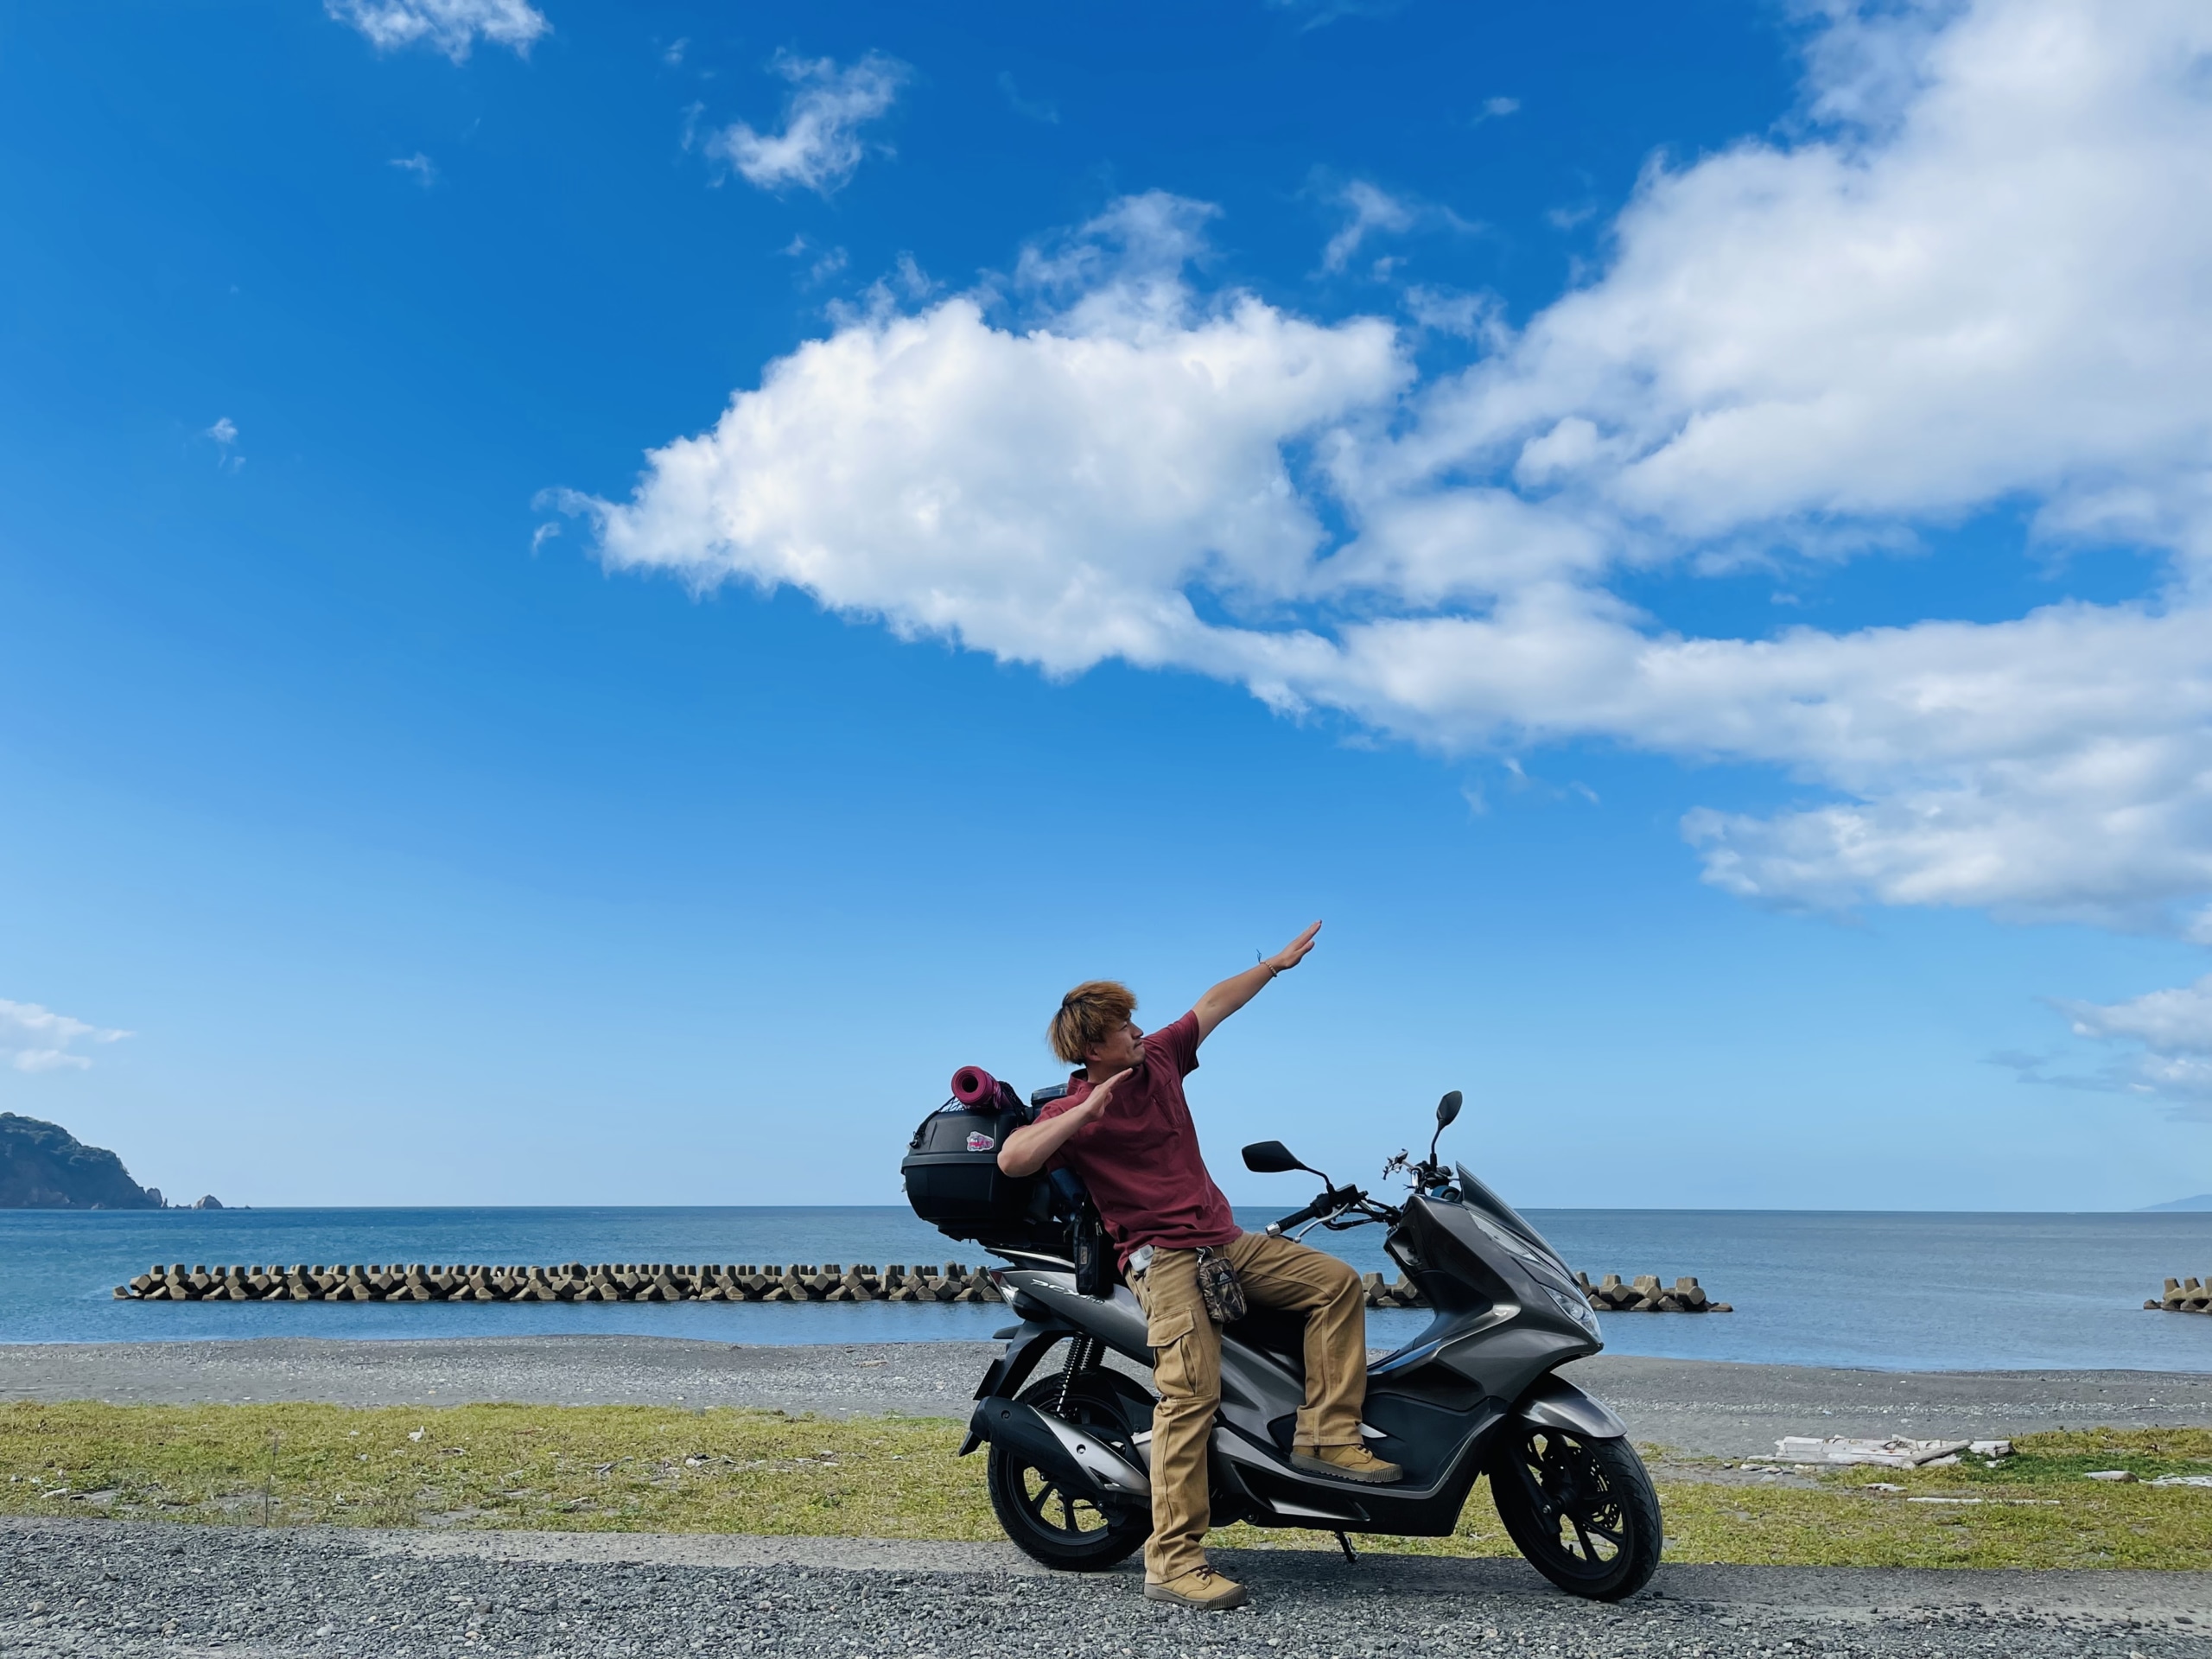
<point x="1840" y="1451"/>
<point x="2181" y="1480"/>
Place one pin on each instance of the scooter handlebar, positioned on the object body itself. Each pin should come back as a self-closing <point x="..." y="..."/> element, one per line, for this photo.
<point x="1336" y="1199"/>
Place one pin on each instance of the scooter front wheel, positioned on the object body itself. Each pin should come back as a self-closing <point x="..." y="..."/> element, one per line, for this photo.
<point x="1581" y="1509"/>
<point x="1069" y="1530"/>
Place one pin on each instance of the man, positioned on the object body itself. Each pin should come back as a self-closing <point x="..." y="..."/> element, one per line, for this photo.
<point x="1125" y="1129"/>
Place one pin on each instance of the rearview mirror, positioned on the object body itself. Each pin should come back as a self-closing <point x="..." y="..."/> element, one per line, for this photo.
<point x="1270" y="1158"/>
<point x="1446" y="1110"/>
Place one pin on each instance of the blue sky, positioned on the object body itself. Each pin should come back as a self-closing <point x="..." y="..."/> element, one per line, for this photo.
<point x="592" y="598"/>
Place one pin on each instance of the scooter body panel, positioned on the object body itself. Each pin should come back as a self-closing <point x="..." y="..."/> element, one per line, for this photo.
<point x="1506" y="1308"/>
<point x="1117" y="1319"/>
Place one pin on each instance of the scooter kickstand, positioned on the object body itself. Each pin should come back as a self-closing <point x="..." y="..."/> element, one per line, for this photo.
<point x="1345" y="1544"/>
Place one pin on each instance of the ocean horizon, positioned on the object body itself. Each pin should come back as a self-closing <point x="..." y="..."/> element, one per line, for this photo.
<point x="1912" y="1290"/>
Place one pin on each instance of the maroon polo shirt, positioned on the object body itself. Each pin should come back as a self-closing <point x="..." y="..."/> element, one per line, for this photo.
<point x="1140" y="1157"/>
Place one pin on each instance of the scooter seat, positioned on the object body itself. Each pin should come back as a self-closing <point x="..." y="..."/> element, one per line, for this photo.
<point x="1275" y="1331"/>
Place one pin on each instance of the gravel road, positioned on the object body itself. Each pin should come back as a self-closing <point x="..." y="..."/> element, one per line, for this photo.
<point x="89" y="1588"/>
<point x="1699" y="1406"/>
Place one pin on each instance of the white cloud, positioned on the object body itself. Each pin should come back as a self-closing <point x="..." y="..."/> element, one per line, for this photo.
<point x="1985" y="290"/>
<point x="1041" y="494"/>
<point x="2058" y="766"/>
<point x="32" y="1039"/>
<point x="1319" y="13"/>
<point x="1367" y="208"/>
<point x="1037" y="109"/>
<point x="2173" y="1031"/>
<point x="2166" y="1022"/>
<point x="1452" y="311"/>
<point x="819" y="148"/>
<point x="424" y="169"/>
<point x="1497" y="109"/>
<point x="1979" y="281"/>
<point x="224" y="435"/>
<point x="451" y="26"/>
<point x="1995" y="291"/>
<point x="821" y="263"/>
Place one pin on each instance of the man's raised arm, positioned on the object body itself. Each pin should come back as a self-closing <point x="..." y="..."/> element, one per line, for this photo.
<point x="1232" y="994"/>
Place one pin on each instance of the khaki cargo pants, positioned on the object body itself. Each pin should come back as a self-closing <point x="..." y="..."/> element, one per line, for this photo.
<point x="1276" y="1272"/>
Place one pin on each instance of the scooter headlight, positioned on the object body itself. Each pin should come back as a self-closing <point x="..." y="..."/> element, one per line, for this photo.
<point x="1575" y="1308"/>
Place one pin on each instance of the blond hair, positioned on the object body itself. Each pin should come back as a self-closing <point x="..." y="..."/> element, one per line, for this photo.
<point x="1089" y="1015"/>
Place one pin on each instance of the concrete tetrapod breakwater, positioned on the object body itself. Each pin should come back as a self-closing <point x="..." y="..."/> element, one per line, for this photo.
<point x="570" y="1281"/>
<point x="1645" y="1294"/>
<point x="574" y="1282"/>
<point x="2185" y="1296"/>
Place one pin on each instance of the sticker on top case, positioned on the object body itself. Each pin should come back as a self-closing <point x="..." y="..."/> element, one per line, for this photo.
<point x="978" y="1141"/>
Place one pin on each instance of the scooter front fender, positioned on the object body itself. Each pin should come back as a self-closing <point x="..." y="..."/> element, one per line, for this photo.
<point x="1554" y="1402"/>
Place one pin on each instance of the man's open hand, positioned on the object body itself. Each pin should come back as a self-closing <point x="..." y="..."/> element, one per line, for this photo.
<point x="1095" y="1101"/>
<point x="1294" y="953"/>
<point x="1029" y="1147"/>
<point x="1232" y="994"/>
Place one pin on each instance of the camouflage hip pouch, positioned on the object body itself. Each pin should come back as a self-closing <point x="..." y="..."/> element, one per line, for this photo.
<point x="1218" y="1288"/>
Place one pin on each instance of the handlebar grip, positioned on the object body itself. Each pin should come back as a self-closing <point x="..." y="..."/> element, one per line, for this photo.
<point x="1335" y="1198"/>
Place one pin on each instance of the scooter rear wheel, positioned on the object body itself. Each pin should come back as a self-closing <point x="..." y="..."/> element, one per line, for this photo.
<point x="1069" y="1532"/>
<point x="1581" y="1509"/>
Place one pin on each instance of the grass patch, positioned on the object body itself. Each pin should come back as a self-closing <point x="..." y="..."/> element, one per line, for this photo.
<point x="647" y="1469"/>
<point x="579" y="1468"/>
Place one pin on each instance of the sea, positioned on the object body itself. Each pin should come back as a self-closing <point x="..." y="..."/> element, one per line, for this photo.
<point x="1914" y="1291"/>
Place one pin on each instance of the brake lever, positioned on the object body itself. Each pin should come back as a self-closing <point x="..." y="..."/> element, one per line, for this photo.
<point x="1364" y="1208"/>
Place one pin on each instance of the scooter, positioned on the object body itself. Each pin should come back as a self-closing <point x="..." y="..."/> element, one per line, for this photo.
<point x="1476" y="1392"/>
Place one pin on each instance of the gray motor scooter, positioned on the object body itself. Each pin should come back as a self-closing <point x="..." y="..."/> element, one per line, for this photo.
<point x="1475" y="1393"/>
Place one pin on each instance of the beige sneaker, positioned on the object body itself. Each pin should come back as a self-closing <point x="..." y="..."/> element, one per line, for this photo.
<point x="1346" y="1463"/>
<point x="1204" y="1589"/>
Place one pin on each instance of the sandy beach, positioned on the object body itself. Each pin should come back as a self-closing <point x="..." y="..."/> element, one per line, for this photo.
<point x="1698" y="1407"/>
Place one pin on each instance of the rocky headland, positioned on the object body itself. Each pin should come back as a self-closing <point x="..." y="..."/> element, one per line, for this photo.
<point x="43" y="1166"/>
